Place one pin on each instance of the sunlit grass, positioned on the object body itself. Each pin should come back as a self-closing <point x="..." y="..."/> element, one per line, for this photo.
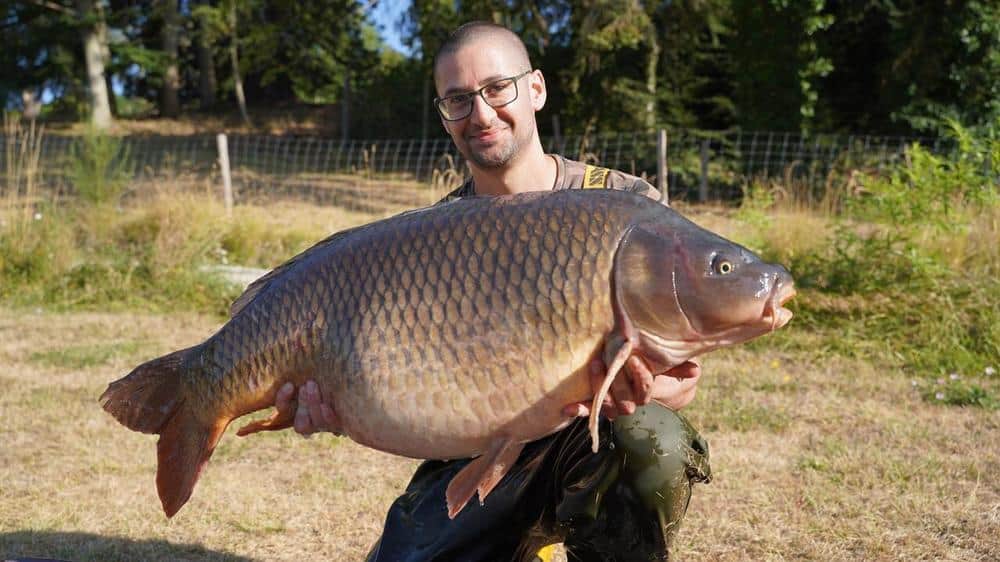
<point x="149" y="254"/>
<point x="813" y="457"/>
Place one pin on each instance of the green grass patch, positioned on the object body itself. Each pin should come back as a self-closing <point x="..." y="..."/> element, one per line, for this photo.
<point x="906" y="272"/>
<point x="148" y="256"/>
<point x="740" y="414"/>
<point x="84" y="356"/>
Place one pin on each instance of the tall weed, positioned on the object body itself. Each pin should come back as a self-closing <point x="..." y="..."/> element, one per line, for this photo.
<point x="21" y="177"/>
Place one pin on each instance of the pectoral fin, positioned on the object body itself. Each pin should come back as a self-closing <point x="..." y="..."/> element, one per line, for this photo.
<point x="622" y="349"/>
<point x="482" y="474"/>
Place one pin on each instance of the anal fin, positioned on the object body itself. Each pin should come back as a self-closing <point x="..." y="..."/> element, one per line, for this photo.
<point x="482" y="474"/>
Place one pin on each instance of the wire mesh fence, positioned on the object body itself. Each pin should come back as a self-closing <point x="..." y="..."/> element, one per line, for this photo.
<point x="399" y="173"/>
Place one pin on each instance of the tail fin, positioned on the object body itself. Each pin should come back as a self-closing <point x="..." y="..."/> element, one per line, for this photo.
<point x="152" y="399"/>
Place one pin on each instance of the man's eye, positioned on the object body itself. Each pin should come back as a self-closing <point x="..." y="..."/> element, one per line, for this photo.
<point x="497" y="88"/>
<point x="455" y="101"/>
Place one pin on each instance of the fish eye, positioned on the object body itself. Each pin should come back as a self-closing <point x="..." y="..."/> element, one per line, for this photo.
<point x="723" y="266"/>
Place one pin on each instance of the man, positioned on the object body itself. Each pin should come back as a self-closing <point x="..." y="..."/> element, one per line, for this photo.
<point x="558" y="490"/>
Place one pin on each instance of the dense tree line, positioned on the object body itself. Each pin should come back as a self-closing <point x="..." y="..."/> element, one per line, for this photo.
<point x="881" y="66"/>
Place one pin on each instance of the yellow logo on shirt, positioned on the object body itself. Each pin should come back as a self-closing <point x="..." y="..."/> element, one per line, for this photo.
<point x="594" y="177"/>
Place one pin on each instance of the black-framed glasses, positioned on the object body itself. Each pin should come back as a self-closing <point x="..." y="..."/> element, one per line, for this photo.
<point x="496" y="94"/>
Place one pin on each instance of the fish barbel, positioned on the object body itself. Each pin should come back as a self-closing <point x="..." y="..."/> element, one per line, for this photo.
<point x="459" y="330"/>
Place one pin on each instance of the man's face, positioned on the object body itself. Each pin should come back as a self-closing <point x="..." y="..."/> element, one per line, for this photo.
<point x="490" y="137"/>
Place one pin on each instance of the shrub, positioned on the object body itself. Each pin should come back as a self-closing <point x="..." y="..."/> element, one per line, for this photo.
<point x="909" y="272"/>
<point x="100" y="168"/>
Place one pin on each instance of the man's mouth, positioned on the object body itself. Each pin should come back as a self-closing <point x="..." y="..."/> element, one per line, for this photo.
<point x="487" y="136"/>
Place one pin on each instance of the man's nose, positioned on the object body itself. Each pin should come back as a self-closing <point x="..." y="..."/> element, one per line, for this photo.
<point x="482" y="113"/>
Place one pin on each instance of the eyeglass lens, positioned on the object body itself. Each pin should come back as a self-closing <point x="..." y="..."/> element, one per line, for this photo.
<point x="497" y="94"/>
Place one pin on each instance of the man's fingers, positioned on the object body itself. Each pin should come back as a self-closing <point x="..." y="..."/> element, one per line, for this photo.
<point x="641" y="380"/>
<point x="621" y="390"/>
<point x="303" y="424"/>
<point x="689" y="369"/>
<point x="314" y="402"/>
<point x="283" y="400"/>
<point x="677" y="394"/>
<point x="309" y="410"/>
<point x="676" y="388"/>
<point x="597" y="372"/>
<point x="577" y="410"/>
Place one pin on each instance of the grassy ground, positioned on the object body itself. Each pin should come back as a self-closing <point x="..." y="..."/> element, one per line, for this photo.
<point x="822" y="459"/>
<point x="827" y="443"/>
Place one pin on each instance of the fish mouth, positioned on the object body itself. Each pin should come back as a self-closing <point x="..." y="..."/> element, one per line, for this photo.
<point x="775" y="314"/>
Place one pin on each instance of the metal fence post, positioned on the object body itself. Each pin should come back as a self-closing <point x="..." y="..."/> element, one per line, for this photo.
<point x="661" y="164"/>
<point x="227" y="185"/>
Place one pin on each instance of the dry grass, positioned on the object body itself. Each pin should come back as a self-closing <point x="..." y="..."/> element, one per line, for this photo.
<point x="76" y="485"/>
<point x="813" y="459"/>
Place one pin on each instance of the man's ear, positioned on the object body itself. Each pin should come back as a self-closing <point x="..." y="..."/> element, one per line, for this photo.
<point x="536" y="85"/>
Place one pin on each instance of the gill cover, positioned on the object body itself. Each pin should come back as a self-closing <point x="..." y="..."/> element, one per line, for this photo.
<point x="686" y="290"/>
<point x="644" y="271"/>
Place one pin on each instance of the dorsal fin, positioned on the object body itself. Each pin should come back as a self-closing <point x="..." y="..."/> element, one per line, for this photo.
<point x="254" y="288"/>
<point x="257" y="286"/>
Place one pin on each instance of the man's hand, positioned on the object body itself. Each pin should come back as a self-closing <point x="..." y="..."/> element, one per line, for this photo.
<point x="638" y="387"/>
<point x="312" y="414"/>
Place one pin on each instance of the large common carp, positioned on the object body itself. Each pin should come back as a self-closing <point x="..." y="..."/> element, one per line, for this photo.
<point x="459" y="330"/>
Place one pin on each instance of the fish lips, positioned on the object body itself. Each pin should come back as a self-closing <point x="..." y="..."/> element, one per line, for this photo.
<point x="774" y="308"/>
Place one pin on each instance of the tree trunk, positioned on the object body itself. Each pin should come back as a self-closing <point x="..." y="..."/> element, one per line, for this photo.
<point x="95" y="47"/>
<point x="170" y="101"/>
<point x="234" y="59"/>
<point x="207" y="83"/>
<point x="345" y="108"/>
<point x="651" y="64"/>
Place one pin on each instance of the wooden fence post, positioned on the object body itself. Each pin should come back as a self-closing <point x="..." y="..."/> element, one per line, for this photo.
<point x="661" y="164"/>
<point x="227" y="184"/>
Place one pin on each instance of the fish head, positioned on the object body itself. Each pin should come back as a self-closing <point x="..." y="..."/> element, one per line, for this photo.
<point x="685" y="291"/>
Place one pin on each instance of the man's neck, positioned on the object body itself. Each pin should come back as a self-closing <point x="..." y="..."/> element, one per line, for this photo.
<point x="533" y="171"/>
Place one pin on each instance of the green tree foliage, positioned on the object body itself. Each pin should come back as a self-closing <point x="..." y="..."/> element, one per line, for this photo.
<point x="777" y="62"/>
<point x="607" y="38"/>
<point x="911" y="65"/>
<point x="879" y="66"/>
<point x="40" y="51"/>
<point x="294" y="50"/>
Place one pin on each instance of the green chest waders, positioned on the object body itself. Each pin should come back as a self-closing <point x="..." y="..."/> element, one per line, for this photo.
<point x="623" y="503"/>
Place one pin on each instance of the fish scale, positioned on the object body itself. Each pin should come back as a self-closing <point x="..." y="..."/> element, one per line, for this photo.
<point x="459" y="330"/>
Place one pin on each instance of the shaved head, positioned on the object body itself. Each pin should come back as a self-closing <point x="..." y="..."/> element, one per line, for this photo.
<point x="483" y="30"/>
